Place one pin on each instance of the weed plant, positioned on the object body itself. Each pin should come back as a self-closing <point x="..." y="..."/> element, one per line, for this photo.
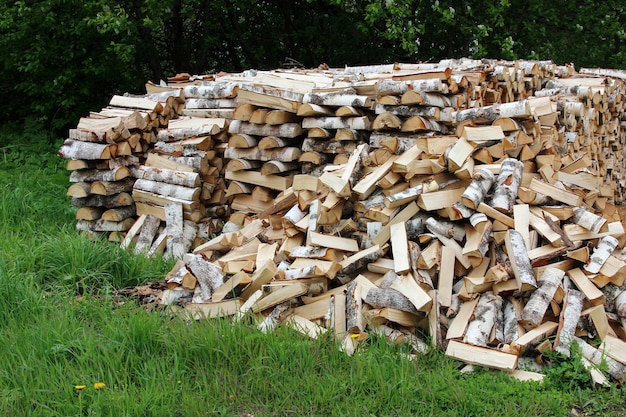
<point x="69" y="348"/>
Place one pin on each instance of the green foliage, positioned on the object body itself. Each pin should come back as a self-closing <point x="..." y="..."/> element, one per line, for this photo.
<point x="54" y="66"/>
<point x="567" y="372"/>
<point x="64" y="58"/>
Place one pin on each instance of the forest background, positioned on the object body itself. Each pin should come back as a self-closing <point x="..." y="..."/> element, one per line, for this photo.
<point x="62" y="58"/>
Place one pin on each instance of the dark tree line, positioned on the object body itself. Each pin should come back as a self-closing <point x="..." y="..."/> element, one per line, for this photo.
<point x="62" y="58"/>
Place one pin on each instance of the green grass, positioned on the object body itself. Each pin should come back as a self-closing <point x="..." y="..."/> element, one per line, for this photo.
<point x="60" y="326"/>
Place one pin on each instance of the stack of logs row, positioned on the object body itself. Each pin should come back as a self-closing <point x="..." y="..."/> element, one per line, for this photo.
<point x="470" y="202"/>
<point x="103" y="150"/>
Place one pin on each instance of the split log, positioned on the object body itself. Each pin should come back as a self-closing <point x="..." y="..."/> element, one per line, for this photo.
<point x="208" y="274"/>
<point x="168" y="190"/>
<point x="614" y="368"/>
<point x="540" y="299"/>
<point x="600" y="254"/>
<point x="589" y="221"/>
<point x="506" y="185"/>
<point x="287" y="154"/>
<point x="476" y="192"/>
<point x="112" y="187"/>
<point x="479" y="329"/>
<point x="174" y="226"/>
<point x="516" y="109"/>
<point x="73" y="149"/>
<point x="520" y="262"/>
<point x="481" y="356"/>
<point x="91" y="175"/>
<point x="109" y="201"/>
<point x="148" y="232"/>
<point x="568" y="321"/>
<point x="118" y="214"/>
<point x="186" y="179"/>
<point x="287" y="130"/>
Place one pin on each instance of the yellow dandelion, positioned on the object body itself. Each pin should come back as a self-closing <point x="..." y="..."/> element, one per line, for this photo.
<point x="231" y="397"/>
<point x="99" y="385"/>
<point x="80" y="387"/>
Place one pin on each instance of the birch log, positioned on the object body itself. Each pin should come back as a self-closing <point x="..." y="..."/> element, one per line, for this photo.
<point x="92" y="175"/>
<point x="588" y="220"/>
<point x="147" y="234"/>
<point x="186" y="179"/>
<point x="540" y="299"/>
<point x="354" y="317"/>
<point x="174" y="227"/>
<point x="568" y="321"/>
<point x="516" y="109"/>
<point x="520" y="262"/>
<point x="74" y="149"/>
<point x="512" y="312"/>
<point x="208" y="274"/>
<point x="168" y="190"/>
<point x="600" y="254"/>
<point x="475" y="193"/>
<point x="613" y="367"/>
<point x="388" y="297"/>
<point x="506" y="185"/>
<point x="444" y="228"/>
<point x="479" y="329"/>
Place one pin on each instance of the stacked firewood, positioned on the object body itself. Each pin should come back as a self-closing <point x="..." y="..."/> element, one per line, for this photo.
<point x="103" y="149"/>
<point x="469" y="202"/>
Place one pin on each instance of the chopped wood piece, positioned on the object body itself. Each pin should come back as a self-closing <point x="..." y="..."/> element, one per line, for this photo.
<point x="506" y="185"/>
<point x="570" y="314"/>
<point x="482" y="356"/>
<point x="520" y="262"/>
<point x="540" y="299"/>
<point x="600" y="254"/>
<point x="479" y="329"/>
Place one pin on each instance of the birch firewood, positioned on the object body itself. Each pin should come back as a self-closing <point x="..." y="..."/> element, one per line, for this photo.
<point x="570" y="314"/>
<point x="337" y="99"/>
<point x="388" y="297"/>
<point x="286" y="130"/>
<point x="214" y="90"/>
<point x="111" y="187"/>
<point x="286" y="154"/>
<point x="107" y="201"/>
<point x="600" y="254"/>
<point x="479" y="329"/>
<point x="186" y="179"/>
<point x="93" y="175"/>
<point x="620" y="308"/>
<point x="516" y="109"/>
<point x="475" y="193"/>
<point x="520" y="262"/>
<point x="512" y="309"/>
<point x="354" y="317"/>
<point x="447" y="229"/>
<point x="614" y="368"/>
<point x="74" y="149"/>
<point x="208" y="274"/>
<point x="506" y="185"/>
<point x="540" y="298"/>
<point x="168" y="190"/>
<point x="147" y="234"/>
<point x="174" y="226"/>
<point x="588" y="220"/>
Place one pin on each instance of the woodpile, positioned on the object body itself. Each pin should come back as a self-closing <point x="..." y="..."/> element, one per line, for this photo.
<point x="469" y="203"/>
<point x="102" y="151"/>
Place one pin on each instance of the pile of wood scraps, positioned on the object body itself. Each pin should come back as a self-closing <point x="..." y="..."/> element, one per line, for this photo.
<point x="469" y="203"/>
